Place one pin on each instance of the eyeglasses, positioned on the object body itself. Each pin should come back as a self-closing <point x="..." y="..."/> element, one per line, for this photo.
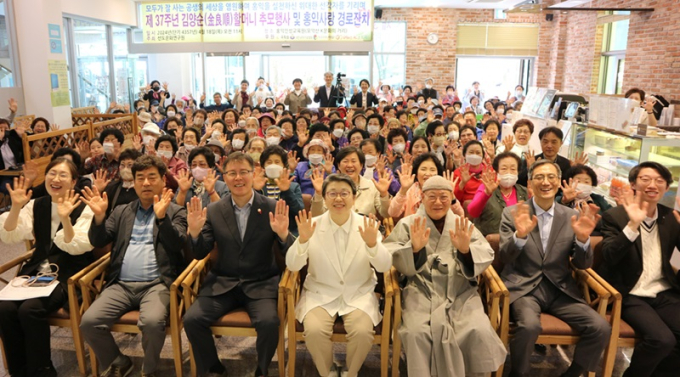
<point x="521" y="131"/>
<point x="233" y="174"/>
<point x="434" y="198"/>
<point x="541" y="178"/>
<point x="335" y="194"/>
<point x="647" y="180"/>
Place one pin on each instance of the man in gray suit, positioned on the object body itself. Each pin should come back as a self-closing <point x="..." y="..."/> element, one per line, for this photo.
<point x="244" y="226"/>
<point x="536" y="245"/>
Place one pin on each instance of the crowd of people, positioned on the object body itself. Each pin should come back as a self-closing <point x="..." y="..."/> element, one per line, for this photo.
<point x="250" y="172"/>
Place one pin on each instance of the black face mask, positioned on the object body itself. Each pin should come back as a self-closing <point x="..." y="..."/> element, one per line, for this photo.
<point x="156" y="88"/>
<point x="171" y="132"/>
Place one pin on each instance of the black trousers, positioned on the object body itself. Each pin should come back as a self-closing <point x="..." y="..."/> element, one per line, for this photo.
<point x="206" y="310"/>
<point x="26" y="333"/>
<point x="657" y="322"/>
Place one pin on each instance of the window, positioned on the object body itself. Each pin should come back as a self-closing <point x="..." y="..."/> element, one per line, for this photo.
<point x="496" y="75"/>
<point x="130" y="70"/>
<point x="389" y="53"/>
<point x="613" y="53"/>
<point x="92" y="61"/>
<point x="7" y="43"/>
<point x="226" y="73"/>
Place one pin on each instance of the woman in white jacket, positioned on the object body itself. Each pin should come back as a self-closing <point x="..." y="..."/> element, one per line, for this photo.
<point x="340" y="279"/>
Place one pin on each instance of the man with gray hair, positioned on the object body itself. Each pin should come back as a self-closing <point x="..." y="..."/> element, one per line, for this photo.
<point x="536" y="245"/>
<point x="327" y="95"/>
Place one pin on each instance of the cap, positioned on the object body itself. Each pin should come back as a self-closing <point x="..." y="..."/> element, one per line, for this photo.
<point x="144" y="117"/>
<point x="267" y="115"/>
<point x="437" y="182"/>
<point x="216" y="143"/>
<point x="152" y="128"/>
<point x="314" y="142"/>
<point x="437" y="112"/>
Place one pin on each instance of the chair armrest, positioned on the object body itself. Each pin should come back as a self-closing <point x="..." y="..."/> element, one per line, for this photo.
<point x="501" y="323"/>
<point x="191" y="283"/>
<point x="92" y="282"/>
<point x="73" y="284"/>
<point x="589" y="284"/>
<point x="284" y="281"/>
<point x="388" y="286"/>
<point x="177" y="307"/>
<point x="16" y="262"/>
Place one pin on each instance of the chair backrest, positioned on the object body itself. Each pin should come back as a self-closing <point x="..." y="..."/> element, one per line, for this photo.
<point x="84" y="110"/>
<point x="596" y="244"/>
<point x="127" y="124"/>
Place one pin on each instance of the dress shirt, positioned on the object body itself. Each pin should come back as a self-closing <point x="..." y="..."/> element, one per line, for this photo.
<point x="242" y="214"/>
<point x="651" y="281"/>
<point x="139" y="262"/>
<point x="328" y="92"/>
<point x="364" y="98"/>
<point x="545" y="219"/>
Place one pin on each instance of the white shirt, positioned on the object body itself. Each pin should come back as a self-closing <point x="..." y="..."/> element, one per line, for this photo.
<point x="328" y="92"/>
<point x="651" y="281"/>
<point x="545" y="220"/>
<point x="364" y="98"/>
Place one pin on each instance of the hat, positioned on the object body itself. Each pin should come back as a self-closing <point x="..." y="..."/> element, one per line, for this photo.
<point x="325" y="120"/>
<point x="216" y="143"/>
<point x="314" y="142"/>
<point x="437" y="182"/>
<point x="267" y="115"/>
<point x="144" y="117"/>
<point x="152" y="128"/>
<point x="358" y="115"/>
<point x="437" y="112"/>
<point x="343" y="111"/>
<point x="154" y="103"/>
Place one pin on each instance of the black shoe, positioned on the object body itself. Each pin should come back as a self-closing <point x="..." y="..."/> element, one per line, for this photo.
<point x="259" y="373"/>
<point x="122" y="370"/>
<point x="540" y="349"/>
<point x="46" y="372"/>
<point x="574" y="371"/>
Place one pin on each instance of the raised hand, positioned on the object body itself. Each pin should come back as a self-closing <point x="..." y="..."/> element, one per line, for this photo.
<point x="509" y="142"/>
<point x="20" y="192"/>
<point x="196" y="216"/>
<point x="202" y="97"/>
<point x="383" y="182"/>
<point x="259" y="178"/>
<point x="160" y="205"/>
<point x="184" y="181"/>
<point x="302" y="138"/>
<point x="317" y="181"/>
<point x="635" y="207"/>
<point x="13" y="106"/>
<point x="490" y="149"/>
<point x="369" y="232"/>
<point x="284" y="180"/>
<point x="279" y="219"/>
<point x="55" y="127"/>
<point x="406" y="158"/>
<point x="530" y="156"/>
<point x="490" y="180"/>
<point x="101" y="179"/>
<point x="30" y="171"/>
<point x="581" y="158"/>
<point x="587" y="219"/>
<point x="461" y="234"/>
<point x="569" y="192"/>
<point x="390" y="156"/>
<point x="137" y="142"/>
<point x="209" y="181"/>
<point x="524" y="221"/>
<point x="66" y="204"/>
<point x="465" y="176"/>
<point x="98" y="204"/>
<point x="328" y="163"/>
<point x="305" y="226"/>
<point x="457" y="154"/>
<point x="420" y="234"/>
<point x="449" y="176"/>
<point x="406" y="176"/>
<point x="293" y="160"/>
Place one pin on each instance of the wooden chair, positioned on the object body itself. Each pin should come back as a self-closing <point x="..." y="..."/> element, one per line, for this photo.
<point x="294" y="282"/>
<point x="62" y="317"/>
<point x="556" y="331"/>
<point x="92" y="284"/>
<point x="236" y="322"/>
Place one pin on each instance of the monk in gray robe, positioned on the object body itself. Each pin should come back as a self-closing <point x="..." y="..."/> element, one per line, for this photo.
<point x="444" y="329"/>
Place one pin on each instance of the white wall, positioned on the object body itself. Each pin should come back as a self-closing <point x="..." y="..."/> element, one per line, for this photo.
<point x="173" y="68"/>
<point x="115" y="11"/>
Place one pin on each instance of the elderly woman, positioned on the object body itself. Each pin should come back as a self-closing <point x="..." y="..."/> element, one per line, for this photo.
<point x="442" y="254"/>
<point x="373" y="197"/>
<point x="58" y="224"/>
<point x="469" y="174"/>
<point x="202" y="182"/>
<point x="316" y="153"/>
<point x="418" y="146"/>
<point x="577" y="187"/>
<point x="519" y="144"/>
<point x="409" y="197"/>
<point x="341" y="249"/>
<point x="298" y="98"/>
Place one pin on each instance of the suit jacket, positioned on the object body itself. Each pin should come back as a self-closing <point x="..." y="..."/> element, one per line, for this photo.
<point x="169" y="236"/>
<point x="371" y="100"/>
<point x="322" y="98"/>
<point x="623" y="259"/>
<point x="249" y="263"/>
<point x="526" y="267"/>
<point x="328" y="279"/>
<point x="16" y="145"/>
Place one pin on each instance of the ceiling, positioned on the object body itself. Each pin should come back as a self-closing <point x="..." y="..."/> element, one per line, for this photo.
<point x="469" y="4"/>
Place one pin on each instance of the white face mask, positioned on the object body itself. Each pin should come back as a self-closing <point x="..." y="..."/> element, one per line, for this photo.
<point x="373" y="129"/>
<point x="280" y="112"/>
<point x="125" y="174"/>
<point x="149" y="139"/>
<point x="585" y="189"/>
<point x="438" y="140"/>
<point x="338" y="132"/>
<point x="371" y="160"/>
<point x="166" y="154"/>
<point x="171" y="114"/>
<point x="273" y="171"/>
<point x="198" y="122"/>
<point x="500" y="111"/>
<point x="428" y="86"/>
<point x="454" y="135"/>
<point x="420" y="102"/>
<point x="508" y="116"/>
<point x="508" y="180"/>
<point x="399" y="148"/>
<point x="216" y="135"/>
<point x="519" y="93"/>
<point x="237" y="144"/>
<point x="273" y="140"/>
<point x="189" y="148"/>
<point x="108" y="148"/>
<point x="241" y="124"/>
<point x="315" y="159"/>
<point x="199" y="173"/>
<point x="473" y="159"/>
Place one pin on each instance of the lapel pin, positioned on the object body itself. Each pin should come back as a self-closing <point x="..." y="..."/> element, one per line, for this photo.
<point x="259" y="210"/>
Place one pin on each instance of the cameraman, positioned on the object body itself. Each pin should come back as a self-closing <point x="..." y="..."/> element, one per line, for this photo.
<point x="328" y="95"/>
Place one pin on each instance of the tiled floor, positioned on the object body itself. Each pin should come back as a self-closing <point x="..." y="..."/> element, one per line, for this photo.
<point x="238" y="354"/>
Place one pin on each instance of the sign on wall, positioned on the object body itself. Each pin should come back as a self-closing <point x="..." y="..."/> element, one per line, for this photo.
<point x="257" y="21"/>
<point x="58" y="71"/>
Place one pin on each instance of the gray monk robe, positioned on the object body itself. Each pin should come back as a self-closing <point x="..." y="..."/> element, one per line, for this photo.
<point x="444" y="329"/>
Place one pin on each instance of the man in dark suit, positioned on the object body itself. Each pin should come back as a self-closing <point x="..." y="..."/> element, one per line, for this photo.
<point x="551" y="142"/>
<point x="364" y="98"/>
<point x="244" y="226"/>
<point x="328" y="95"/>
<point x="146" y="257"/>
<point x="536" y="245"/>
<point x="639" y="238"/>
